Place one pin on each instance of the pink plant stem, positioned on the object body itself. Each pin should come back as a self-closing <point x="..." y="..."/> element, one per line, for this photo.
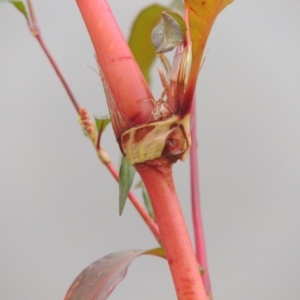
<point x="59" y="74"/>
<point x="34" y="28"/>
<point x="135" y="103"/>
<point x="143" y="213"/>
<point x="122" y="74"/>
<point x="157" y="177"/>
<point x="196" y="206"/>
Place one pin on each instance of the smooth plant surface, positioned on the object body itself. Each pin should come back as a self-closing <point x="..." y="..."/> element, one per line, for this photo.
<point x="251" y="202"/>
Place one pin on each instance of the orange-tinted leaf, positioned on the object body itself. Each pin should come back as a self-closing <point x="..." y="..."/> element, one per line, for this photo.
<point x="201" y="17"/>
<point x="99" y="279"/>
<point x="202" y="14"/>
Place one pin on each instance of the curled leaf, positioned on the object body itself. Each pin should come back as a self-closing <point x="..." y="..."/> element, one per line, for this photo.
<point x="170" y="33"/>
<point x="101" y="123"/>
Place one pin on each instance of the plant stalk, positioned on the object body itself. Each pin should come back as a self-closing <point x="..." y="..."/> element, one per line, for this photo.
<point x="196" y="204"/>
<point x="132" y="96"/>
<point x="157" y="177"/>
<point x="34" y="29"/>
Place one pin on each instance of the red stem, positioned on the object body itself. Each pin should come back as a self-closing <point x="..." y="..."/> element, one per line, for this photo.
<point x="196" y="206"/>
<point x="157" y="177"/>
<point x="132" y="96"/>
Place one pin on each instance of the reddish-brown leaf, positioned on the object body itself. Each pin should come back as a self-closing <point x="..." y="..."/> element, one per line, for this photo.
<point x="99" y="279"/>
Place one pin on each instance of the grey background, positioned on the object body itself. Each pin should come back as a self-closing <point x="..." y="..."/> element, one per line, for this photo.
<point x="58" y="204"/>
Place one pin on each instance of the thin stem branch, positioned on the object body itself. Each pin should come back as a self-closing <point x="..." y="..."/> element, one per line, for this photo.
<point x="58" y="72"/>
<point x="34" y="29"/>
<point x="196" y="206"/>
<point x="116" y="62"/>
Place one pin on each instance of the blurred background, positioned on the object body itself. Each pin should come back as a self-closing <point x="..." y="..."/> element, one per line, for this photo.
<point x="59" y="205"/>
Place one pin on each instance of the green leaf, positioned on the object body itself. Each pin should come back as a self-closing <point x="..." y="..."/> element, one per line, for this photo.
<point x="140" y="37"/>
<point x="157" y="252"/>
<point x="146" y="199"/>
<point x="99" y="279"/>
<point x="19" y="5"/>
<point x="127" y="173"/>
<point x="162" y="253"/>
<point x="170" y="33"/>
<point x="101" y="123"/>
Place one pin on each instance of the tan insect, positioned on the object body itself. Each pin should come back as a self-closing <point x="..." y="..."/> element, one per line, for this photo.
<point x="165" y="135"/>
<point x="158" y="139"/>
